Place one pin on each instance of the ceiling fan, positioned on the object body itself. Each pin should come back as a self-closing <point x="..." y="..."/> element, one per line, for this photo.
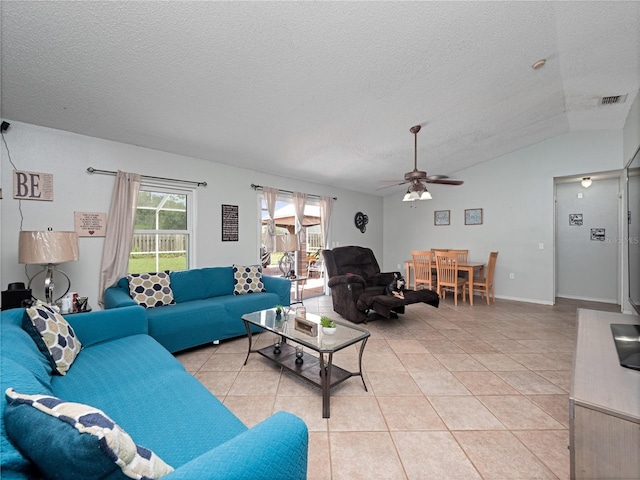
<point x="416" y="178"/>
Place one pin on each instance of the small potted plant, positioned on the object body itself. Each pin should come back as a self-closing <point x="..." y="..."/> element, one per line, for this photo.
<point x="278" y="310"/>
<point x="328" y="325"/>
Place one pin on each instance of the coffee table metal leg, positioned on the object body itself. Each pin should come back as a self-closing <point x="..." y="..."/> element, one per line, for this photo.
<point x="364" y="342"/>
<point x="248" y="327"/>
<point x="325" y="381"/>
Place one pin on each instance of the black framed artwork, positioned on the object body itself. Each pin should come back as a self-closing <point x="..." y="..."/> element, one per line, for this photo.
<point x="229" y="223"/>
<point x="473" y="216"/>
<point x="442" y="217"/>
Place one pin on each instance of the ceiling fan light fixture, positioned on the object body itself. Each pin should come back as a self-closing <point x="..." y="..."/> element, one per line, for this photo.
<point x="586" y="182"/>
<point x="426" y="195"/>
<point x="407" y="197"/>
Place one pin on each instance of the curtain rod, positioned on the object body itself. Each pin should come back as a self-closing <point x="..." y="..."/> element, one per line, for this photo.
<point x="260" y="187"/>
<point x="149" y="177"/>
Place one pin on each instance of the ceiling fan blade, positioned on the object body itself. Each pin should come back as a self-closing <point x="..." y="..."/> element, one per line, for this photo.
<point x="437" y="177"/>
<point x="398" y="182"/>
<point x="445" y="182"/>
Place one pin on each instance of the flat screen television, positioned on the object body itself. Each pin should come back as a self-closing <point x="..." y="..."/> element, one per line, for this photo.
<point x="633" y="239"/>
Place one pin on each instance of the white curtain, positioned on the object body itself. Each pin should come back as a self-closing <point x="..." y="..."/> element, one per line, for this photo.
<point x="119" y="234"/>
<point x="270" y="198"/>
<point x="326" y="208"/>
<point x="299" y="202"/>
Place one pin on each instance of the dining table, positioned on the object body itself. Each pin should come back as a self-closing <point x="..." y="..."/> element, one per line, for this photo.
<point x="469" y="267"/>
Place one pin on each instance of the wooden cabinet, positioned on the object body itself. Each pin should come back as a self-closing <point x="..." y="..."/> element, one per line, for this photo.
<point x="604" y="403"/>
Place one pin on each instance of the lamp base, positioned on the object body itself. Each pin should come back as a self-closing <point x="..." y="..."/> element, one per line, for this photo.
<point x="49" y="285"/>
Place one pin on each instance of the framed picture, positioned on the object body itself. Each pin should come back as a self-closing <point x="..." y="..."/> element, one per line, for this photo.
<point x="575" y="219"/>
<point x="229" y="223"/>
<point x="441" y="217"/>
<point x="473" y="216"/>
<point x="598" y="234"/>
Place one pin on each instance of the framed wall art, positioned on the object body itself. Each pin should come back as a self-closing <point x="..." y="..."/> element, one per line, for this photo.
<point x="575" y="219"/>
<point x="473" y="216"/>
<point x="229" y="223"/>
<point x="441" y="217"/>
<point x="598" y="234"/>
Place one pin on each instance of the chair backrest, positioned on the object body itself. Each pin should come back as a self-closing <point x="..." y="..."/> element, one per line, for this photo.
<point x="350" y="259"/>
<point x="447" y="267"/>
<point x="462" y="255"/>
<point x="491" y="267"/>
<point x="422" y="265"/>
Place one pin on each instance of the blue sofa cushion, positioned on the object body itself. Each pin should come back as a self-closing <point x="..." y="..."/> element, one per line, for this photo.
<point x="151" y="289"/>
<point x="247" y="279"/>
<point x="200" y="283"/>
<point x="53" y="335"/>
<point x="72" y="440"/>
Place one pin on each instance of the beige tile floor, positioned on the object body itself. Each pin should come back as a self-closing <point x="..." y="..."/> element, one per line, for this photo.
<point x="454" y="393"/>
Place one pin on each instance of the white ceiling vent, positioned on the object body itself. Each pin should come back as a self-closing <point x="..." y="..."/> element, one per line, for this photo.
<point x="613" y="100"/>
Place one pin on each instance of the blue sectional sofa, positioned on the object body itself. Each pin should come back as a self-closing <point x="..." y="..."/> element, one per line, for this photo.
<point x="205" y="309"/>
<point x="136" y="382"/>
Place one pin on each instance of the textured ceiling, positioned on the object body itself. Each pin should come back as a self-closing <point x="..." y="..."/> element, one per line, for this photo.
<point x="321" y="91"/>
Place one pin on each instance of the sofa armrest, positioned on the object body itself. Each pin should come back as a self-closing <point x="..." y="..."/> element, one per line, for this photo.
<point x="116" y="296"/>
<point x="344" y="279"/>
<point x="104" y="325"/>
<point x="275" y="448"/>
<point x="280" y="286"/>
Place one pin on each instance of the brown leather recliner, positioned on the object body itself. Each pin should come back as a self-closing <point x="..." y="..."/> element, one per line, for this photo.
<point x="358" y="286"/>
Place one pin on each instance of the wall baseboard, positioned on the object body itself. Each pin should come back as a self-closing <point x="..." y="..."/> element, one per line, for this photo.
<point x="588" y="299"/>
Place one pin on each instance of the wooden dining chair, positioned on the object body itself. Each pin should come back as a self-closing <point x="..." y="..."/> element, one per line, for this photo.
<point x="485" y="284"/>
<point x="463" y="255"/>
<point x="447" y="268"/>
<point x="422" y="269"/>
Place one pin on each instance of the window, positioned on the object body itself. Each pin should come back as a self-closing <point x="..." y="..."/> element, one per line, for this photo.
<point x="162" y="231"/>
<point x="306" y="261"/>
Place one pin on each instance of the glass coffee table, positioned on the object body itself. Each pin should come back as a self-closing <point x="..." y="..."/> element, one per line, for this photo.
<point x="318" y="370"/>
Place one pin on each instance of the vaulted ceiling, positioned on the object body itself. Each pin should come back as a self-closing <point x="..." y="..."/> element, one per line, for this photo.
<point x="322" y="91"/>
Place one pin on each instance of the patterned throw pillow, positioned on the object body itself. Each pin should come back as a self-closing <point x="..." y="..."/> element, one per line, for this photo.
<point x="53" y="335"/>
<point x="247" y="279"/>
<point x="72" y="440"/>
<point x="151" y="289"/>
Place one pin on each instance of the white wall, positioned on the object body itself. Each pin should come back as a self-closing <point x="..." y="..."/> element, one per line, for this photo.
<point x="67" y="156"/>
<point x="588" y="269"/>
<point x="516" y="193"/>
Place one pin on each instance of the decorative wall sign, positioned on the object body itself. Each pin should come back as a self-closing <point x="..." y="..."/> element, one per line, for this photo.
<point x="229" y="223"/>
<point x="575" y="219"/>
<point x="32" y="186"/>
<point x="597" y="234"/>
<point x="361" y="221"/>
<point x="473" y="216"/>
<point x="441" y="217"/>
<point x="90" y="224"/>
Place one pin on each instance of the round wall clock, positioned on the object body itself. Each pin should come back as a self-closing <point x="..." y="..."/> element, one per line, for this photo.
<point x="361" y="221"/>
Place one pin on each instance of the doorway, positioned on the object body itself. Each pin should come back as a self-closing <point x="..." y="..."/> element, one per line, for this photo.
<point x="587" y="253"/>
<point x="306" y="260"/>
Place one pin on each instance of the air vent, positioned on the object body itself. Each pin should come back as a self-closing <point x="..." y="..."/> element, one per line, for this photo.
<point x="613" y="100"/>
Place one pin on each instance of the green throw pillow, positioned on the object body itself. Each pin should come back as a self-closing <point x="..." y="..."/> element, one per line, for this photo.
<point x="70" y="440"/>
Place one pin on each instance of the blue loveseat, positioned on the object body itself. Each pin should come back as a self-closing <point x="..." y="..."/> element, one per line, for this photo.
<point x="130" y="377"/>
<point x="206" y="308"/>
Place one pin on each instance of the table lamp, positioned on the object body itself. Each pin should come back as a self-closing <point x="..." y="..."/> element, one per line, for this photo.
<point x="48" y="248"/>
<point x="287" y="244"/>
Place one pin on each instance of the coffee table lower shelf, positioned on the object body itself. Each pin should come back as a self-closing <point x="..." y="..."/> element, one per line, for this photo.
<point x="309" y="369"/>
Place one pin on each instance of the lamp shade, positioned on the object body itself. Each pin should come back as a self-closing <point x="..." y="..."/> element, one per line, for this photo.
<point x="44" y="247"/>
<point x="287" y="243"/>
